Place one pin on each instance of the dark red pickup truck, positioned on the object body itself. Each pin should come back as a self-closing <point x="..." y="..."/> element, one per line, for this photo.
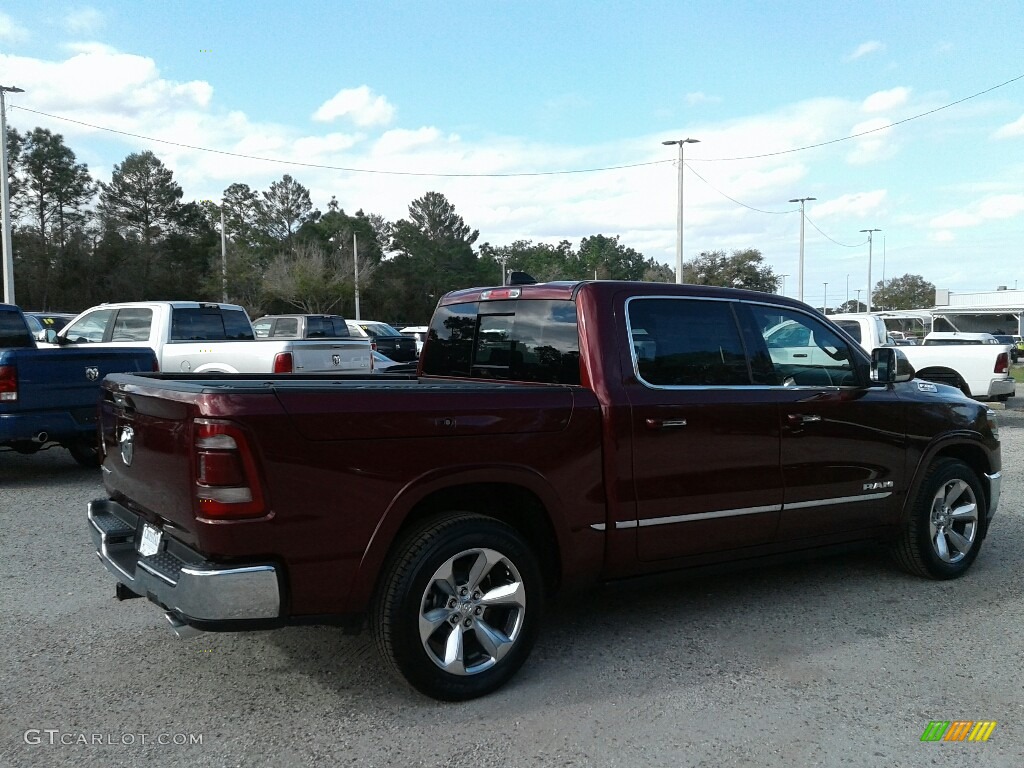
<point x="557" y="435"/>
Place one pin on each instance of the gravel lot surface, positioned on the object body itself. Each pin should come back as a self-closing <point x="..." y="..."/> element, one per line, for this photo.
<point x="834" y="662"/>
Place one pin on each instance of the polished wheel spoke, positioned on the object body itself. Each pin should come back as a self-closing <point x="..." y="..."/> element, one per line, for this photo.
<point x="454" y="649"/>
<point x="965" y="513"/>
<point x="954" y="491"/>
<point x="942" y="546"/>
<point x="962" y="543"/>
<point x="431" y="620"/>
<point x="506" y="594"/>
<point x="495" y="643"/>
<point x="485" y="560"/>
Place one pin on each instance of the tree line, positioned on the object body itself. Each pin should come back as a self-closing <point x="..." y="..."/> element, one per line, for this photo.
<point x="79" y="241"/>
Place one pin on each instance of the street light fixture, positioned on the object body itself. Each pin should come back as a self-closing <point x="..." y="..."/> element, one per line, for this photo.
<point x="870" y="233"/>
<point x="800" y="276"/>
<point x="5" y="197"/>
<point x="679" y="213"/>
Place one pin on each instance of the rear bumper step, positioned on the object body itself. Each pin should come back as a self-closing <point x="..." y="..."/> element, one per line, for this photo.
<point x="189" y="588"/>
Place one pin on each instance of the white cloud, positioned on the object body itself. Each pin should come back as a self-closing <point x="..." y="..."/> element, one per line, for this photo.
<point x="11" y="31"/>
<point x="986" y="210"/>
<point x="359" y="105"/>
<point x="699" y="97"/>
<point x="855" y="205"/>
<point x="865" y="49"/>
<point x="84" y="20"/>
<point x="882" y="101"/>
<point x="1010" y="130"/>
<point x="878" y="143"/>
<point x="942" y="236"/>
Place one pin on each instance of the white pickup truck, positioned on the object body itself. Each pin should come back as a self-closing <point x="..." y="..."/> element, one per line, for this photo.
<point x="195" y="337"/>
<point x="979" y="371"/>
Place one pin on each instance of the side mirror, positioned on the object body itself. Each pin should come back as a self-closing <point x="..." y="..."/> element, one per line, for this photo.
<point x="889" y="365"/>
<point x="51" y="336"/>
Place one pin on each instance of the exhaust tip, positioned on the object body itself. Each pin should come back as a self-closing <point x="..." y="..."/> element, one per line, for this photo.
<point x="181" y="628"/>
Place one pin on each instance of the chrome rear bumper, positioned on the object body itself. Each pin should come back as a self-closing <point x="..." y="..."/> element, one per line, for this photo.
<point x="178" y="578"/>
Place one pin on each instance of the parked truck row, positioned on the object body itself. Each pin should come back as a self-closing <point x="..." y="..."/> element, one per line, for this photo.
<point x="978" y="370"/>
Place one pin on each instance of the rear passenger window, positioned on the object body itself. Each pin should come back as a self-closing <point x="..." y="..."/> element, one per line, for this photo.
<point x="686" y="342"/>
<point x="516" y="340"/>
<point x="132" y="324"/>
<point x="210" y="324"/>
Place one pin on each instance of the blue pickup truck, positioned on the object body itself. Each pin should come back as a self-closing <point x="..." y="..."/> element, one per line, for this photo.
<point x="49" y="396"/>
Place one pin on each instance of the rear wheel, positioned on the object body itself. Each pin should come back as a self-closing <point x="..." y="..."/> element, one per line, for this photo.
<point x="944" y="532"/>
<point x="459" y="606"/>
<point x="85" y="452"/>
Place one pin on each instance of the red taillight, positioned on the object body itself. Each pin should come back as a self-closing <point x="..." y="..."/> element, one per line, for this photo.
<point x="283" y="362"/>
<point x="373" y="346"/>
<point x="1002" y="363"/>
<point x="8" y="383"/>
<point x="156" y="365"/>
<point x="227" y="482"/>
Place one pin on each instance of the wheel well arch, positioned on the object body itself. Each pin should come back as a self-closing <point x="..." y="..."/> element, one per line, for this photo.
<point x="516" y="506"/>
<point x="942" y="375"/>
<point x="971" y="455"/>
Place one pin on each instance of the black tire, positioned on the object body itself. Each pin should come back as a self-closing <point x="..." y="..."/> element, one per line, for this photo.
<point x="496" y="621"/>
<point x="85" y="452"/>
<point x="946" y="526"/>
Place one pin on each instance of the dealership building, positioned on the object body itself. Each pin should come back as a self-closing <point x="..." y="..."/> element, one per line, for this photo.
<point x="998" y="311"/>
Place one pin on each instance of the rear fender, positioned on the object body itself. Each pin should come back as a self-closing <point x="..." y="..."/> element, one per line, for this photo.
<point x="407" y="503"/>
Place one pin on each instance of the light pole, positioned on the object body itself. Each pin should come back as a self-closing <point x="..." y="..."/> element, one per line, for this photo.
<point x="847" y="289"/>
<point x="679" y="213"/>
<point x="800" y="272"/>
<point x="783" y="279"/>
<point x="870" y="233"/>
<point x="824" y="301"/>
<point x="858" y="298"/>
<point x="5" y="197"/>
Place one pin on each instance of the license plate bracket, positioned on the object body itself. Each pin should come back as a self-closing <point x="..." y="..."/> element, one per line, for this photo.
<point x="149" y="544"/>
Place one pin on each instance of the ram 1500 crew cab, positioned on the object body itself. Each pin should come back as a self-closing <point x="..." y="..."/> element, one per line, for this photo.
<point x="557" y="435"/>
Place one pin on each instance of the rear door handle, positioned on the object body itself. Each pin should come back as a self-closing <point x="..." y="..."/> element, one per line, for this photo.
<point x="803" y="418"/>
<point x="665" y="423"/>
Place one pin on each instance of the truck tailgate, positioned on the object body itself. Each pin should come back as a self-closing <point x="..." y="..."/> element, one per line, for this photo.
<point x="149" y="444"/>
<point x="348" y="355"/>
<point x="68" y="378"/>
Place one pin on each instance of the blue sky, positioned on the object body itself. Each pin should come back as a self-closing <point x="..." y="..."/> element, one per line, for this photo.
<point x="489" y="90"/>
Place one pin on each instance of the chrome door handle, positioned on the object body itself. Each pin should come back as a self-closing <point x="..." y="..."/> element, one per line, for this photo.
<point x="803" y="418"/>
<point x="665" y="423"/>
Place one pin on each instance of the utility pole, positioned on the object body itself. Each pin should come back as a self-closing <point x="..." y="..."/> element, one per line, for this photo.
<point x="824" y="301"/>
<point x="5" y="197"/>
<point x="355" y="259"/>
<point x="223" y="257"/>
<point x="679" y="213"/>
<point x="783" y="279"/>
<point x="800" y="272"/>
<point x="858" y="298"/>
<point x="870" y="233"/>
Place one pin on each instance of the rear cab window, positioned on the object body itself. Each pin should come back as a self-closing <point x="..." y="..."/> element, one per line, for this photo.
<point x="209" y="324"/>
<point x="508" y="340"/>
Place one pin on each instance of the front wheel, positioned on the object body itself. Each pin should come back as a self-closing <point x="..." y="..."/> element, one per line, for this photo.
<point x="944" y="532"/>
<point x="459" y="606"/>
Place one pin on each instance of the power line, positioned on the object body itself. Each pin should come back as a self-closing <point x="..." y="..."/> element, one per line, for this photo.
<point x="862" y="133"/>
<point x="325" y="167"/>
<point x="842" y="245"/>
<point x="519" y="174"/>
<point x="733" y="199"/>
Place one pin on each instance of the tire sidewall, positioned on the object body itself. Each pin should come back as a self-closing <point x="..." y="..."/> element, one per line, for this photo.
<point x="409" y="655"/>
